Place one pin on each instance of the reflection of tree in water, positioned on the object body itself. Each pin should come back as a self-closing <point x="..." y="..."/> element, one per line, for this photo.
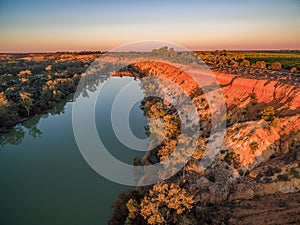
<point x="13" y="137"/>
<point x="16" y="135"/>
<point x="96" y="74"/>
<point x="31" y="126"/>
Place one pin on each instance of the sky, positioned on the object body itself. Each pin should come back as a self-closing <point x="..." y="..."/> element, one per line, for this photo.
<point x="73" y="25"/>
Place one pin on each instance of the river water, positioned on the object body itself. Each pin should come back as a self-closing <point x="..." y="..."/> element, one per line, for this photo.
<point x="44" y="178"/>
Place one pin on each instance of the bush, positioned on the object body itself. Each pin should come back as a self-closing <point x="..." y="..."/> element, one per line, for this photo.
<point x="293" y="69"/>
<point x="295" y="173"/>
<point x="120" y="207"/>
<point x="275" y="123"/>
<point x="253" y="146"/>
<point x="165" y="203"/>
<point x="283" y="177"/>
<point x="245" y="63"/>
<point x="276" y="66"/>
<point x="260" y="64"/>
<point x="268" y="113"/>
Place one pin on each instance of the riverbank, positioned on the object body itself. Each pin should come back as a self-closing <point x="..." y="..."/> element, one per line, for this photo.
<point x="256" y="142"/>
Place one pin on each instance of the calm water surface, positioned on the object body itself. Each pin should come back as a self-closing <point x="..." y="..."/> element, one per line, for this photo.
<point x="45" y="180"/>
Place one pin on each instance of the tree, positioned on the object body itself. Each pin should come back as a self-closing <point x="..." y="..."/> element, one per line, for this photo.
<point x="276" y="66"/>
<point x="3" y="100"/>
<point x="133" y="209"/>
<point x="8" y="116"/>
<point x="293" y="70"/>
<point x="48" y="68"/>
<point x="234" y="63"/>
<point x="24" y="73"/>
<point x="223" y="52"/>
<point x="167" y="149"/>
<point x="165" y="202"/>
<point x="120" y="207"/>
<point x="222" y="60"/>
<point x="26" y="101"/>
<point x="31" y="125"/>
<point x="268" y="113"/>
<point x="260" y="64"/>
<point x="245" y="63"/>
<point x="14" y="137"/>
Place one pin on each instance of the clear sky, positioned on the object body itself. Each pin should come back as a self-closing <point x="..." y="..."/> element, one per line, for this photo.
<point x="59" y="25"/>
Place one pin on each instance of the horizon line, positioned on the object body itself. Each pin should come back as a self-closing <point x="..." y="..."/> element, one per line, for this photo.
<point x="104" y="51"/>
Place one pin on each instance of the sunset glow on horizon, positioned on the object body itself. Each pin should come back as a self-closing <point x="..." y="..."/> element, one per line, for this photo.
<point x="50" y="26"/>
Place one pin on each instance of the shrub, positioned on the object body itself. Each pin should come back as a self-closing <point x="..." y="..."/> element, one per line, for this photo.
<point x="260" y="64"/>
<point x="232" y="159"/>
<point x="234" y="63"/>
<point x="120" y="207"/>
<point x="293" y="69"/>
<point x="164" y="202"/>
<point x="295" y="173"/>
<point x="276" y="66"/>
<point x="275" y="123"/>
<point x="268" y="113"/>
<point x="245" y="63"/>
<point x="253" y="146"/>
<point x="283" y="177"/>
<point x="241" y="172"/>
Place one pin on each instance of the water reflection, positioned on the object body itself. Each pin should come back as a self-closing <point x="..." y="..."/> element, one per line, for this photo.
<point x="15" y="135"/>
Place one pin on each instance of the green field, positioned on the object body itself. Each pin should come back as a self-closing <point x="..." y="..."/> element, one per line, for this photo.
<point x="287" y="58"/>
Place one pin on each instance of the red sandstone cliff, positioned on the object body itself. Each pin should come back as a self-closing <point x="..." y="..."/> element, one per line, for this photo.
<point x="259" y="159"/>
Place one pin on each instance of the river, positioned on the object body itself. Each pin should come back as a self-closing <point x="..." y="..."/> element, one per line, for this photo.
<point x="44" y="178"/>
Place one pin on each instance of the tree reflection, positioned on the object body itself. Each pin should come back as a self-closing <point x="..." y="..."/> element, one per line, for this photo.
<point x="15" y="135"/>
<point x="31" y="126"/>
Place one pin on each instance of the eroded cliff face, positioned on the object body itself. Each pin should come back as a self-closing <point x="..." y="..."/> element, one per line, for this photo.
<point x="284" y="97"/>
<point x="256" y="141"/>
<point x="257" y="157"/>
<point x="252" y="139"/>
<point x="245" y="98"/>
